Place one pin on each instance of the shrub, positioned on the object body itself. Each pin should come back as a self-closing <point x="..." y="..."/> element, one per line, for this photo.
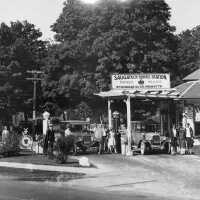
<point x="11" y="145"/>
<point x="63" y="146"/>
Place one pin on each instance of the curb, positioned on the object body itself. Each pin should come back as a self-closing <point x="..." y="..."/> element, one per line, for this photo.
<point x="97" y="169"/>
<point x="29" y="166"/>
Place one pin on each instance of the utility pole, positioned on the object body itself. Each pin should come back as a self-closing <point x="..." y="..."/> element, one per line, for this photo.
<point x="35" y="77"/>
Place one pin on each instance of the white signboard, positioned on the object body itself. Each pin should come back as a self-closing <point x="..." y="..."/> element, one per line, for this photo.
<point x="197" y="113"/>
<point x="197" y="117"/>
<point x="141" y="81"/>
<point x="188" y="117"/>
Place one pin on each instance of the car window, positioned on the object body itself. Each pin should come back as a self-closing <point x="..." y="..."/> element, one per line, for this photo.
<point x="146" y="127"/>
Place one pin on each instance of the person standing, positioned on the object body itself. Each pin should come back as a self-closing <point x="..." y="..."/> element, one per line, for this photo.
<point x="49" y="140"/>
<point x="5" y="134"/>
<point x="118" y="141"/>
<point x="106" y="141"/>
<point x="111" y="142"/>
<point x="182" y="140"/>
<point x="75" y="144"/>
<point x="189" y="138"/>
<point x="103" y="139"/>
<point x="102" y="136"/>
<point x="45" y="144"/>
<point x="174" y="143"/>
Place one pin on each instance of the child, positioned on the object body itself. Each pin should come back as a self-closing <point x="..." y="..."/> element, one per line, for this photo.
<point x="111" y="142"/>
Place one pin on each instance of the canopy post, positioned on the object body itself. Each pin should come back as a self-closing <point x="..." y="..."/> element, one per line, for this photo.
<point x="109" y="114"/>
<point x="128" y="110"/>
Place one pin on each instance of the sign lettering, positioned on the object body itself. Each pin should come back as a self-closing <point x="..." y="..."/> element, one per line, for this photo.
<point x="141" y="81"/>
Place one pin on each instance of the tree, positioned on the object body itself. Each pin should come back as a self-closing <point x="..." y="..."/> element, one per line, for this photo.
<point x="20" y="50"/>
<point x="109" y="37"/>
<point x="134" y="36"/>
<point x="188" y="51"/>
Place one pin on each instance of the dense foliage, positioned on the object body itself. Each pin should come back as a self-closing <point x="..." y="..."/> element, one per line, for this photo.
<point x="11" y="145"/>
<point x="109" y="37"/>
<point x="188" y="51"/>
<point x="92" y="42"/>
<point x="62" y="148"/>
<point x="20" y="50"/>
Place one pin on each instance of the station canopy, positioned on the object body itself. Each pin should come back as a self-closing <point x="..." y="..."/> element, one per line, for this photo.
<point x="167" y="93"/>
<point x="193" y="76"/>
<point x="189" y="90"/>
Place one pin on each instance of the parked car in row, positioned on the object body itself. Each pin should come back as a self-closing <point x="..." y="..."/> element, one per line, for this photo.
<point x="83" y="135"/>
<point x="147" y="138"/>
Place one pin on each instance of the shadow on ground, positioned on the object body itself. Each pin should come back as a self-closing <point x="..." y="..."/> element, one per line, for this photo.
<point x="38" y="175"/>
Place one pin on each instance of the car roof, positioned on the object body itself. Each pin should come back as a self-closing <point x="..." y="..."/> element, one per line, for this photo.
<point x="76" y="122"/>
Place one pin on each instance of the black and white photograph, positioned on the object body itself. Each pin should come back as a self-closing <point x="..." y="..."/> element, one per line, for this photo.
<point x="99" y="100"/>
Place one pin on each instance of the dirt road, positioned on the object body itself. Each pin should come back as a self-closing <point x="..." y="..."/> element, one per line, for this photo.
<point x="170" y="177"/>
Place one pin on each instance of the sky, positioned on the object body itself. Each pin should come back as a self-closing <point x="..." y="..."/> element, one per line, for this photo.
<point x="185" y="14"/>
<point x="43" y="13"/>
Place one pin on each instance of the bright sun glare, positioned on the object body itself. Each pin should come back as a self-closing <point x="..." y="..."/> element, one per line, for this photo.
<point x="94" y="1"/>
<point x="90" y="1"/>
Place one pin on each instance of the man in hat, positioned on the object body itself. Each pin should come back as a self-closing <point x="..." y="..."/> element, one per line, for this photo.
<point x="49" y="140"/>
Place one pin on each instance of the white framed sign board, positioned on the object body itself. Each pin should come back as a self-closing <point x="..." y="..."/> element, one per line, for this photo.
<point x="141" y="81"/>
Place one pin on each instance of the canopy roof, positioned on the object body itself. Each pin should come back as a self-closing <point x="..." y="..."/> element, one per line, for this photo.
<point x="193" y="76"/>
<point x="189" y="90"/>
<point x="164" y="93"/>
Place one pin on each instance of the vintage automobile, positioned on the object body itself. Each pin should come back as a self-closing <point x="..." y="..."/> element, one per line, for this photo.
<point x="146" y="138"/>
<point x="84" y="136"/>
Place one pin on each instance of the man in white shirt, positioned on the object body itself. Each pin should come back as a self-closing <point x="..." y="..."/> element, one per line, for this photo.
<point x="68" y="131"/>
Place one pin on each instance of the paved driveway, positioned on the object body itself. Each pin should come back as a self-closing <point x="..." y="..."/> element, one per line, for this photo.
<point x="171" y="177"/>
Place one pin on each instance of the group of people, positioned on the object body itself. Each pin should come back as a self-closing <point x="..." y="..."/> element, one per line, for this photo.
<point x="50" y="139"/>
<point x="109" y="140"/>
<point x="182" y="140"/>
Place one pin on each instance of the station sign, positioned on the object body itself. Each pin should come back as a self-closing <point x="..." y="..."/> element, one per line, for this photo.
<point x="141" y="81"/>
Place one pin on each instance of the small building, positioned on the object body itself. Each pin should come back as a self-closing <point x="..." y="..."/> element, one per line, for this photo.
<point x="141" y="99"/>
<point x="189" y="101"/>
<point x="146" y="102"/>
